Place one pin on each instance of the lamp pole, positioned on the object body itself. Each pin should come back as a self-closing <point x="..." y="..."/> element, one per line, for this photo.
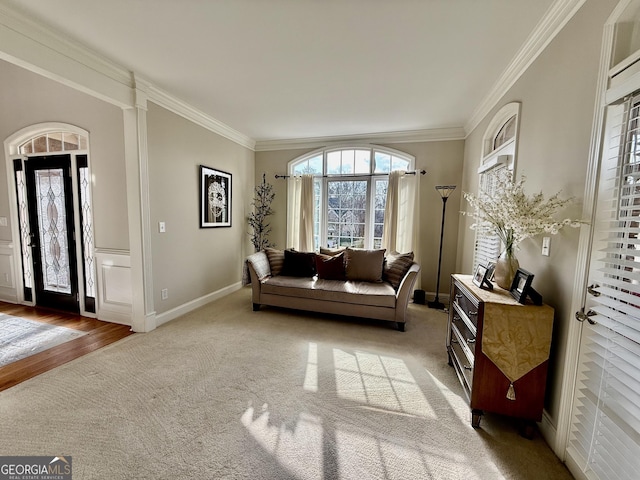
<point x="445" y="191"/>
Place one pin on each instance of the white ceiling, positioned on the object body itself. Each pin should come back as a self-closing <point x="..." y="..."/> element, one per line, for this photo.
<point x="289" y="69"/>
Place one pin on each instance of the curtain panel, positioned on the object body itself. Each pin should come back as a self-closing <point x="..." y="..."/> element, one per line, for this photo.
<point x="300" y="206"/>
<point x="401" y="215"/>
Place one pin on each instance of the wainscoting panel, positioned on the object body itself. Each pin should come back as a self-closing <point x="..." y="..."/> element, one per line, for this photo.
<point x="8" y="291"/>
<point x="114" y="286"/>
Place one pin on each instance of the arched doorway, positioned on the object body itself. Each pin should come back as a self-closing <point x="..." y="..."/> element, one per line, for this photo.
<point x="52" y="219"/>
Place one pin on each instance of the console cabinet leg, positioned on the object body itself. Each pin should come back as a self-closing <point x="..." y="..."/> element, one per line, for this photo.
<point x="476" y="416"/>
<point x="400" y="326"/>
<point x="256" y="307"/>
<point x="527" y="429"/>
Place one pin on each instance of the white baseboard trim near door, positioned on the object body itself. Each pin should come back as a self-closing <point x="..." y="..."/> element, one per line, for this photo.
<point x="548" y="431"/>
<point x="196" y="303"/>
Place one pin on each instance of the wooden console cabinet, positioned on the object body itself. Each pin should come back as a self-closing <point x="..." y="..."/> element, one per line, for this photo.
<point x="520" y="338"/>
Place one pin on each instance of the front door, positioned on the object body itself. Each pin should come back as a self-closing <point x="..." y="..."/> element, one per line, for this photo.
<point x="52" y="239"/>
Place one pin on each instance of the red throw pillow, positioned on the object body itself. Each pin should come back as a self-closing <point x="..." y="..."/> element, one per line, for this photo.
<point x="330" y="267"/>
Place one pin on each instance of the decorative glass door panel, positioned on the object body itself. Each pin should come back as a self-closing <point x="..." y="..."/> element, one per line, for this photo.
<point x="52" y="231"/>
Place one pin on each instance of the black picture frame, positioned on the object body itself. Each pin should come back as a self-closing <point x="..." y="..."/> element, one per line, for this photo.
<point x="491" y="268"/>
<point x="521" y="285"/>
<point x="480" y="277"/>
<point x="215" y="198"/>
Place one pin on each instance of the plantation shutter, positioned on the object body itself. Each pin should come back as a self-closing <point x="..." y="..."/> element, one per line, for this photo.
<point x="605" y="425"/>
<point x="487" y="247"/>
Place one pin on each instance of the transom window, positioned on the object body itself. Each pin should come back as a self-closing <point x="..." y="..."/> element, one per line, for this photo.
<point x="351" y="191"/>
<point x="54" y="142"/>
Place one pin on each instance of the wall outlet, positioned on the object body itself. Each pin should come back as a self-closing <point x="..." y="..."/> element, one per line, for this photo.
<point x="546" y="245"/>
<point x="164" y="293"/>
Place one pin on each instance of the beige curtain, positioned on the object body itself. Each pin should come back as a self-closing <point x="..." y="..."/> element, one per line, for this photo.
<point x="400" y="231"/>
<point x="300" y="213"/>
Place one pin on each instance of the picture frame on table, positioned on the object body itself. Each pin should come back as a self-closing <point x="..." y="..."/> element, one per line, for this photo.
<point x="521" y="287"/>
<point x="491" y="268"/>
<point x="215" y="198"/>
<point x="480" y="277"/>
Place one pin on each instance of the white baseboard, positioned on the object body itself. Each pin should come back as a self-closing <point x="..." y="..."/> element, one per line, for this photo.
<point x="111" y="316"/>
<point x="8" y="295"/>
<point x="431" y="296"/>
<point x="548" y="431"/>
<point x="196" y="303"/>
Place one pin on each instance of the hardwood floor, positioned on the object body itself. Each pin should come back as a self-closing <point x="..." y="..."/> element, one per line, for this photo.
<point x="99" y="334"/>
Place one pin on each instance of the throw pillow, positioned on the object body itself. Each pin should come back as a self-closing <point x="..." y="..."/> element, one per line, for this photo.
<point x="330" y="267"/>
<point x="396" y="266"/>
<point x="299" y="264"/>
<point x="276" y="259"/>
<point x="364" y="265"/>
<point x="331" y="251"/>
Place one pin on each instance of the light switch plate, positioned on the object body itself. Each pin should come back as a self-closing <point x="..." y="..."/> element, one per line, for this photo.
<point x="546" y="246"/>
<point x="162" y="227"/>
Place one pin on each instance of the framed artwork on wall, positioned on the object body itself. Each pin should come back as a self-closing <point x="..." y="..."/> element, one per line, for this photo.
<point x="215" y="198"/>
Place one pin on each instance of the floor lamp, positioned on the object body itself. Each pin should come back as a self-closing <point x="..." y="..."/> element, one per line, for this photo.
<point x="444" y="191"/>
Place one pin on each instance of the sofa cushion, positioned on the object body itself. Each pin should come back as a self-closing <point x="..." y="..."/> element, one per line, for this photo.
<point x="360" y="293"/>
<point x="395" y="268"/>
<point x="276" y="260"/>
<point x="364" y="265"/>
<point x="299" y="264"/>
<point x="330" y="267"/>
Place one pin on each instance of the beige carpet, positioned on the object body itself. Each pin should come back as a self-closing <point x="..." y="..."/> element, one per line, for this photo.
<point x="227" y="393"/>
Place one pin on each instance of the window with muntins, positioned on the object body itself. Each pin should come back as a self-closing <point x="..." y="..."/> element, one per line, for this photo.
<point x="499" y="152"/>
<point x="350" y="191"/>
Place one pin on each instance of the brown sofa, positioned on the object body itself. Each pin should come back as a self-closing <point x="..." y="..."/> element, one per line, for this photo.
<point x="357" y="290"/>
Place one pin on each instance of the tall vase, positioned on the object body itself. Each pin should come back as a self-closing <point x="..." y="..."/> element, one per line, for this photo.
<point x="506" y="268"/>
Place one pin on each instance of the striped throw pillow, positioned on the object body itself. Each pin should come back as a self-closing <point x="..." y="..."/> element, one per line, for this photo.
<point x="276" y="260"/>
<point x="396" y="267"/>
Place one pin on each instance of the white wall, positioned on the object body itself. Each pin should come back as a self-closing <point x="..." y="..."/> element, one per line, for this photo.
<point x="193" y="262"/>
<point x="27" y="99"/>
<point x="558" y="97"/>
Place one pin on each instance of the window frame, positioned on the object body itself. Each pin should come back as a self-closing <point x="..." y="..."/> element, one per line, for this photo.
<point x="493" y="160"/>
<point x="371" y="177"/>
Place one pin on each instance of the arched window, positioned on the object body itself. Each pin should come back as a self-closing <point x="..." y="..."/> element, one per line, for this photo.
<point x="350" y="186"/>
<point x="498" y="153"/>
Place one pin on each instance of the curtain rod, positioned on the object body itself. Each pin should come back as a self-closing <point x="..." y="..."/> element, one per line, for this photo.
<point x="421" y="172"/>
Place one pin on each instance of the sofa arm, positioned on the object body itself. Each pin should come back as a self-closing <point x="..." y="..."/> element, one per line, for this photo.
<point x="404" y="292"/>
<point x="259" y="269"/>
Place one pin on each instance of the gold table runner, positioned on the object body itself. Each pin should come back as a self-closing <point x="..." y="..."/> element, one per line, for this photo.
<point x="515" y="337"/>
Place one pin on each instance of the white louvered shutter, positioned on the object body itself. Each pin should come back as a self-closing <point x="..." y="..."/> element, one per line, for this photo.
<point x="487" y="247"/>
<point x="604" y="439"/>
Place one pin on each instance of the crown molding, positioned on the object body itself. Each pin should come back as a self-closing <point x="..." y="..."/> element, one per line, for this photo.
<point x="554" y="20"/>
<point x="411" y="136"/>
<point x="37" y="48"/>
<point x="179" y="107"/>
<point x="31" y="45"/>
